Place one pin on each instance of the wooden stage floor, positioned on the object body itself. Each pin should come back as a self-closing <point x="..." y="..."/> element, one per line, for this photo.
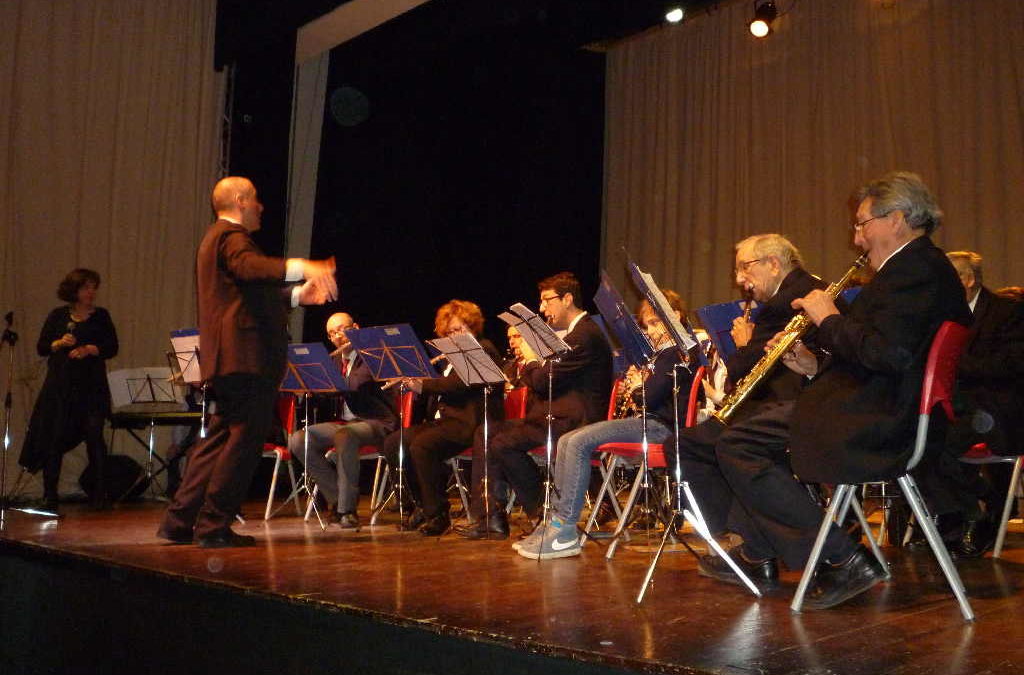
<point x="578" y="608"/>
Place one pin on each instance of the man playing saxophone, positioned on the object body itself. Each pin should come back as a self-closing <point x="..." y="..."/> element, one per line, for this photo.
<point x="856" y="417"/>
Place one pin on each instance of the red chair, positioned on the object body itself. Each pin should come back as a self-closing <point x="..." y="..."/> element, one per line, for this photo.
<point x="515" y="409"/>
<point x="981" y="454"/>
<point x="936" y="389"/>
<point x="623" y="453"/>
<point x="284" y="408"/>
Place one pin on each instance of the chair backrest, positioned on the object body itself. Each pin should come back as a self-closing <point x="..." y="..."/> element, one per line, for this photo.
<point x="515" y="403"/>
<point x="407" y="409"/>
<point x="939" y="380"/>
<point x="692" y="402"/>
<point x="617" y="385"/>
<point x="284" y="408"/>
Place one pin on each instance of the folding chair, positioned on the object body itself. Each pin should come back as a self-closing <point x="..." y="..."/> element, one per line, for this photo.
<point x="936" y="389"/>
<point x="621" y="453"/>
<point x="284" y="408"/>
<point x="981" y="454"/>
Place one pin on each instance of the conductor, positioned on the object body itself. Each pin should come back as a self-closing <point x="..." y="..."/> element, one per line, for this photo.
<point x="244" y="298"/>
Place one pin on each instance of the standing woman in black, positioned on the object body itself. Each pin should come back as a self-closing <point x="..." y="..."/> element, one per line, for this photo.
<point x="74" y="401"/>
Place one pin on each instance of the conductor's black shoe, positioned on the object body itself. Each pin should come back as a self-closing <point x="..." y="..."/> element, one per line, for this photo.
<point x="496" y="527"/>
<point x="175" y="536"/>
<point x="435" y="526"/>
<point x="978" y="537"/>
<point x="227" y="539"/>
<point x="764" y="573"/>
<point x="834" y="584"/>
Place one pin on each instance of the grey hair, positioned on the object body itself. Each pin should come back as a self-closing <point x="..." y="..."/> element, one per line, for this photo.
<point x="970" y="259"/>
<point x="767" y="245"/>
<point x="903" y="191"/>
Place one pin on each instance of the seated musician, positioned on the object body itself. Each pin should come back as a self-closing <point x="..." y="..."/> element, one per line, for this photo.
<point x="989" y="410"/>
<point x="366" y="416"/>
<point x="576" y="447"/>
<point x="453" y="411"/>
<point x="854" y="421"/>
<point x="581" y="382"/>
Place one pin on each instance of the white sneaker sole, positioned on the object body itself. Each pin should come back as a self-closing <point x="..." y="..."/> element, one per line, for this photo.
<point x="550" y="555"/>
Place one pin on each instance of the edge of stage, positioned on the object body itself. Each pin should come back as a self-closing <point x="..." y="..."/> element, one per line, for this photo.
<point x="98" y="592"/>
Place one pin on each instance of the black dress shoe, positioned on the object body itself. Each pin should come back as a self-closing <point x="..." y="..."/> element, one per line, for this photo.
<point x="978" y="537"/>
<point x="414" y="519"/>
<point x="435" y="526"/>
<point x="496" y="527"/>
<point x="764" y="573"/>
<point x="175" y="536"/>
<point x="836" y="583"/>
<point x="227" y="539"/>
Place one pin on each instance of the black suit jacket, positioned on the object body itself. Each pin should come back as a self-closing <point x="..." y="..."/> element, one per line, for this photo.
<point x="242" y="309"/>
<point x="782" y="384"/>
<point x="581" y="380"/>
<point x="990" y="378"/>
<point x="367" y="401"/>
<point x="856" y="420"/>
<point x="455" y="401"/>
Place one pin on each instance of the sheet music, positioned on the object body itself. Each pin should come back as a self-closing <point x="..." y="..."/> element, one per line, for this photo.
<point x="185" y="343"/>
<point x="683" y="336"/>
<point x="635" y="343"/>
<point x="471" y="363"/>
<point x="535" y="331"/>
<point x="149" y="386"/>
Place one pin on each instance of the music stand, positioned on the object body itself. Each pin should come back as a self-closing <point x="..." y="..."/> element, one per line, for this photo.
<point x="185" y="344"/>
<point x="684" y="341"/>
<point x="639" y="351"/>
<point x="310" y="370"/>
<point x="546" y="345"/>
<point x="393" y="354"/>
<point x="147" y="390"/>
<point x="473" y="366"/>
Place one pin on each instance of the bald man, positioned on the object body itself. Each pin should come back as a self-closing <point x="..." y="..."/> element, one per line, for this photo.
<point x="366" y="414"/>
<point x="244" y="298"/>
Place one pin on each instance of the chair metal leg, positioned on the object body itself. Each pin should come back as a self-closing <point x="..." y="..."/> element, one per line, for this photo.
<point x="872" y="542"/>
<point x="309" y="502"/>
<point x="931" y="533"/>
<point x="295" y="490"/>
<point x="382" y="494"/>
<point x="607" y="476"/>
<point x="1011" y="495"/>
<point x="839" y="503"/>
<point x="460" y="485"/>
<point x="620" y="530"/>
<point x="273" y="488"/>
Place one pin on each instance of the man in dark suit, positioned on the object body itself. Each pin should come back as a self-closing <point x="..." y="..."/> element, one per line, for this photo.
<point x="989" y="410"/>
<point x="770" y="268"/>
<point x="366" y="414"/>
<point x="243" y="303"/>
<point x="580" y="383"/>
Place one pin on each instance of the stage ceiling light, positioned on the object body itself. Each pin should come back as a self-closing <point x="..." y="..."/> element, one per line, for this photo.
<point x="764" y="13"/>
<point x="674" y="14"/>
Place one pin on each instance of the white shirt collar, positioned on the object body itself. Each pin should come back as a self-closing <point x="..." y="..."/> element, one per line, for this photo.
<point x="973" y="303"/>
<point x="891" y="255"/>
<point x="572" y="324"/>
<point x="230" y="220"/>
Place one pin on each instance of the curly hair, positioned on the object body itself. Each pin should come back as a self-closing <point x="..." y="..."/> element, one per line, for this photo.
<point x="73" y="282"/>
<point x="464" y="310"/>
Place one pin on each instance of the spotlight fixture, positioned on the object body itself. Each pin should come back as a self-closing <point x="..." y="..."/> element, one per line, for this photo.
<point x="674" y="14"/>
<point x="764" y="13"/>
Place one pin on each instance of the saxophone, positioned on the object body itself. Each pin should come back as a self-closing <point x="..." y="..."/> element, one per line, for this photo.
<point x="794" y="330"/>
<point x="625" y="406"/>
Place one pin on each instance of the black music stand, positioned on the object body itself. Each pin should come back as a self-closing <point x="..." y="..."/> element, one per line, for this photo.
<point x="684" y="341"/>
<point x="146" y="391"/>
<point x="546" y="345"/>
<point x="393" y="354"/>
<point x="310" y="370"/>
<point x="473" y="366"/>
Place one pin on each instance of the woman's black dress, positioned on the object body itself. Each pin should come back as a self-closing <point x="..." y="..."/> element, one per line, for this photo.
<point x="74" y="401"/>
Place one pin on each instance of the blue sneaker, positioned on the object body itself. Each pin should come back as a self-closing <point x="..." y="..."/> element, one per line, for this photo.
<point x="557" y="540"/>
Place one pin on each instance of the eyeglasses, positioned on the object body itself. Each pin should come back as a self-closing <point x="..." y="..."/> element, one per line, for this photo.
<point x="557" y="296"/>
<point x="744" y="265"/>
<point x="859" y="227"/>
<point x="337" y="332"/>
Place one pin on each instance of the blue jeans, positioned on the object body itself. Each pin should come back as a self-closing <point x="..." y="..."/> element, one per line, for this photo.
<point x="576" y="449"/>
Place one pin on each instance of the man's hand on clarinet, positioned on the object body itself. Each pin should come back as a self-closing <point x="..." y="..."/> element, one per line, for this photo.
<point x="742" y="331"/>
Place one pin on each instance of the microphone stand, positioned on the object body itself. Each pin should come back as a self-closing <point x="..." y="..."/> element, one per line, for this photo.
<point x="10" y="338"/>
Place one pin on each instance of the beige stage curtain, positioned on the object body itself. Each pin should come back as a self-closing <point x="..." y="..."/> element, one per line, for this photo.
<point x="713" y="135"/>
<point x="109" y="126"/>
